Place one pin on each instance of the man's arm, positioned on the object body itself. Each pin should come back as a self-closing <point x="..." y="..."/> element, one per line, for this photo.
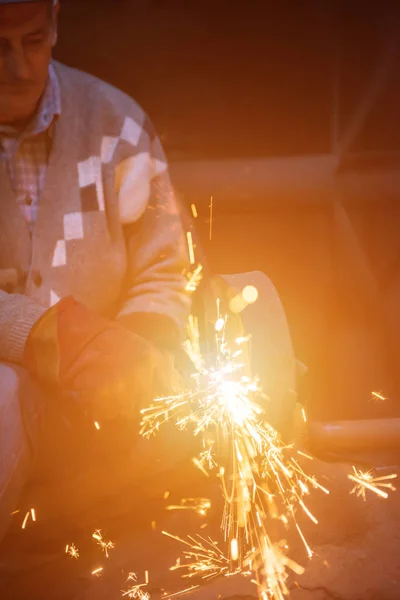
<point x="155" y="301"/>
<point x="17" y="316"/>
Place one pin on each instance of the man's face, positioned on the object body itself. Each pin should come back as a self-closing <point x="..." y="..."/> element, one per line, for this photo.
<point x="27" y="36"/>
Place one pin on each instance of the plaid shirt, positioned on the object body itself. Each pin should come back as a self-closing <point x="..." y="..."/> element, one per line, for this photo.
<point x="27" y="153"/>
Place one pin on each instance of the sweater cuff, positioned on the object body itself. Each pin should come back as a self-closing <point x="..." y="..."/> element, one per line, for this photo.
<point x="18" y="314"/>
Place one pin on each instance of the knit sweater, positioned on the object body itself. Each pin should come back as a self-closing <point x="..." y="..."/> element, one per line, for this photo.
<point x="108" y="230"/>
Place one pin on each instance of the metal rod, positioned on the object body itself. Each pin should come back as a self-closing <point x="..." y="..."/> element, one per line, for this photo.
<point x="338" y="436"/>
<point x="249" y="185"/>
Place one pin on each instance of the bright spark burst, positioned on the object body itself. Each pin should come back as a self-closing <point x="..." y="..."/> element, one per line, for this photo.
<point x="263" y="483"/>
<point x="364" y="481"/>
<point x="136" y="589"/>
<point x="104" y="545"/>
<point x="261" y="478"/>
<point x="72" y="551"/>
<point x="378" y="397"/>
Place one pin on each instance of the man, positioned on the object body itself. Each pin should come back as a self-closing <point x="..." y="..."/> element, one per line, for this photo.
<point x="89" y="222"/>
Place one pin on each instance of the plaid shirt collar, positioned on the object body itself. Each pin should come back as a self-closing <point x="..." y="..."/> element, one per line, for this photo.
<point x="49" y="109"/>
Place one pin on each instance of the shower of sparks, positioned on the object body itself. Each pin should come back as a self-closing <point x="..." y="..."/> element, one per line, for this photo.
<point x="33" y="514"/>
<point x="97" y="425"/>
<point x="105" y="546"/>
<point x="97" y="572"/>
<point x="136" y="589"/>
<point x="197" y="505"/>
<point x="378" y="397"/>
<point x="72" y="551"/>
<point x="364" y="481"/>
<point x="262" y="481"/>
<point x="304" y="415"/>
<point x="194" y="210"/>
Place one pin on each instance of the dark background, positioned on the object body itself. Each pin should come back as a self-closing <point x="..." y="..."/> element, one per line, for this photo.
<point x="239" y="78"/>
<point x="252" y="79"/>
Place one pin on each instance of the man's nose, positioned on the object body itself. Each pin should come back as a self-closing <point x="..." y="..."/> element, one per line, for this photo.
<point x="17" y="64"/>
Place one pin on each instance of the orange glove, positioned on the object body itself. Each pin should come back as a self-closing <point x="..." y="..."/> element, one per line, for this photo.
<point x="112" y="370"/>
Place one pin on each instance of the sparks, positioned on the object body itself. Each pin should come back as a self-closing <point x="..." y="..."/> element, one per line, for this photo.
<point x="364" y="481"/>
<point x="25" y="520"/>
<point x="194" y="278"/>
<point x="203" y="557"/>
<point x="72" y="551"/>
<point x="135" y="589"/>
<point x="181" y="592"/>
<point x="260" y="477"/>
<point x="197" y="505"/>
<point x="97" y="572"/>
<point x="190" y="247"/>
<point x="105" y="546"/>
<point x="378" y="397"/>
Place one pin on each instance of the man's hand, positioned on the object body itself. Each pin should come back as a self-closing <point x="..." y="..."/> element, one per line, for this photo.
<point x="113" y="371"/>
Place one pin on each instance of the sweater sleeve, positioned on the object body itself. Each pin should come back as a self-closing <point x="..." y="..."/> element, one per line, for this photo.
<point x="17" y="316"/>
<point x="155" y="301"/>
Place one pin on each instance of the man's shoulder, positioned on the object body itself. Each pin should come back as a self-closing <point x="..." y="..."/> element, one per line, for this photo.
<point x="96" y="94"/>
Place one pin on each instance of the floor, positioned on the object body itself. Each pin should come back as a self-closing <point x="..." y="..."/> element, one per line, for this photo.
<point x="356" y="547"/>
